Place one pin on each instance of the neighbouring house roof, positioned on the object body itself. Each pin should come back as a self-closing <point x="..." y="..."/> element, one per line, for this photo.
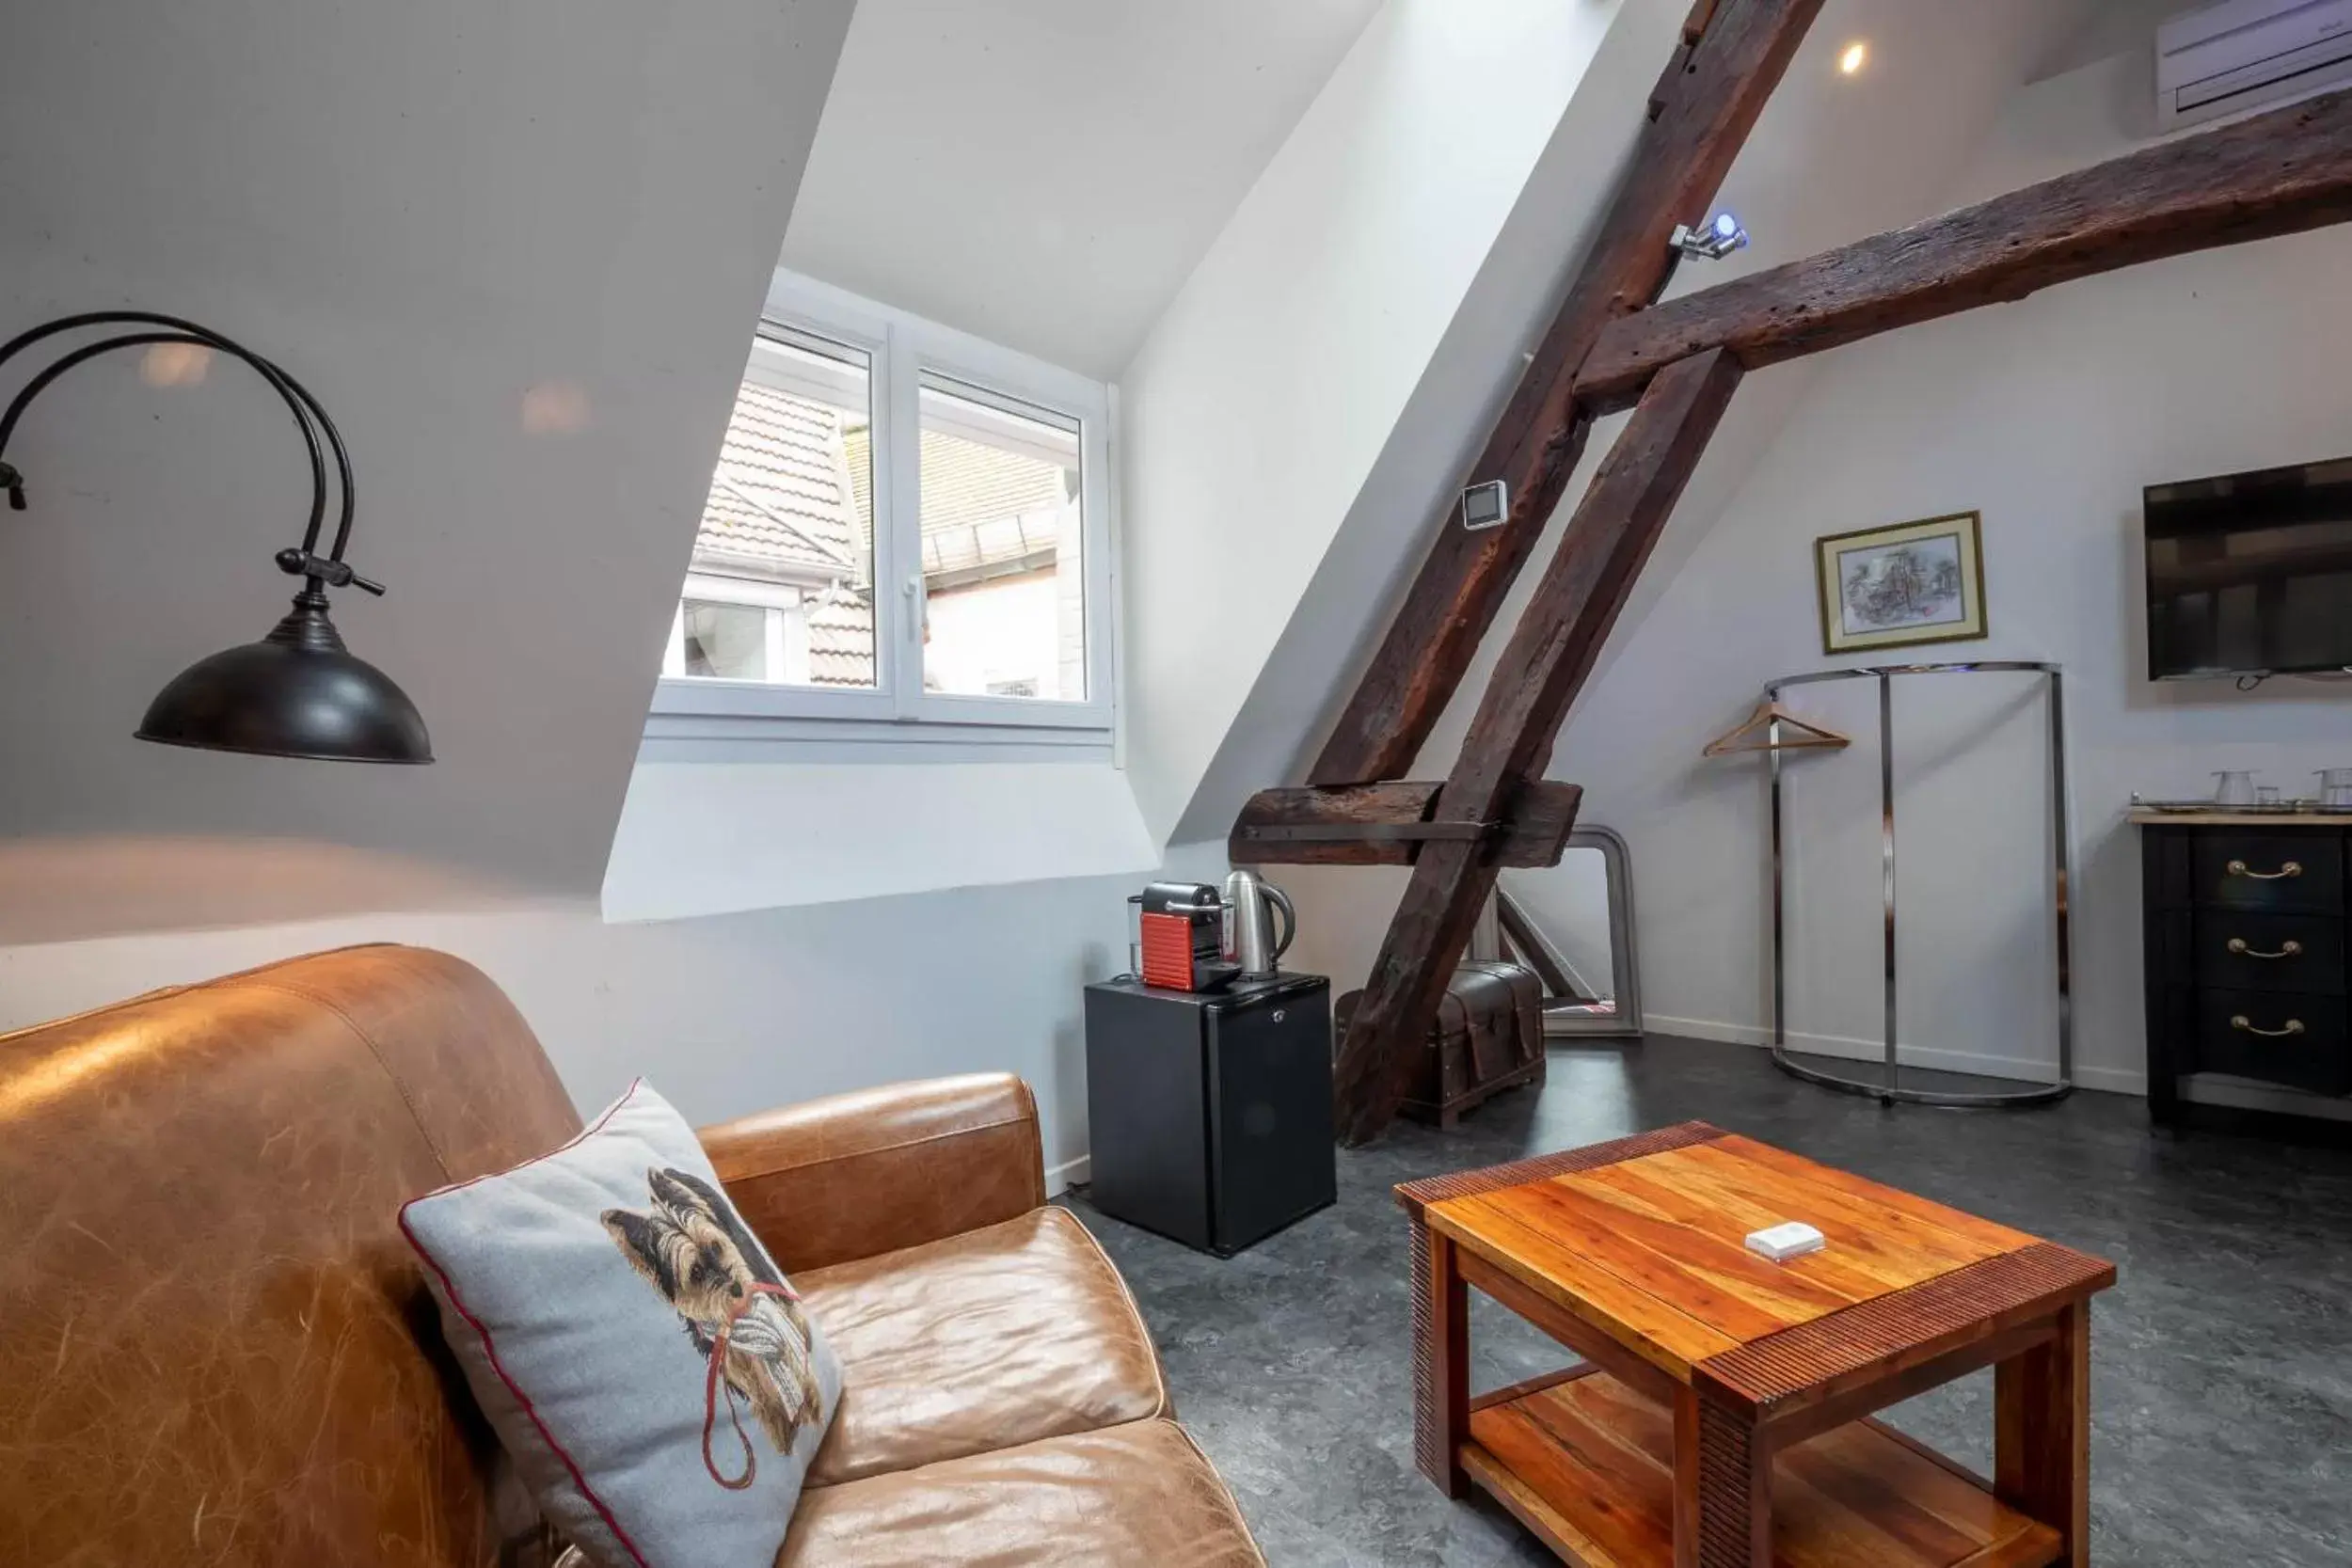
<point x="792" y="493"/>
<point x="791" y="499"/>
<point x="976" y="498"/>
<point x="780" y="496"/>
<point x="841" y="641"/>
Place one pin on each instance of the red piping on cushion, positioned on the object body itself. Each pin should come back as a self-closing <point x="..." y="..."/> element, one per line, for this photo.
<point x="491" y="1349"/>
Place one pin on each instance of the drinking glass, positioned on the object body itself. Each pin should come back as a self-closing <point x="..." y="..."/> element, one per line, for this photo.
<point x="2335" y="787"/>
<point x="2236" y="788"/>
<point x="2266" y="795"/>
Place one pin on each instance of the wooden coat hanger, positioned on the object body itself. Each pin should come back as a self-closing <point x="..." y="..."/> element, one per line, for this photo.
<point x="1753" y="734"/>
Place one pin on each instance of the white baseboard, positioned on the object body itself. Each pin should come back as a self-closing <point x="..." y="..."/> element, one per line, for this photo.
<point x="2024" y="1069"/>
<point x="1069" y="1174"/>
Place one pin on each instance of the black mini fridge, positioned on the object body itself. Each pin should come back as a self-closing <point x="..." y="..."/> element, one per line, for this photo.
<point x="1210" y="1112"/>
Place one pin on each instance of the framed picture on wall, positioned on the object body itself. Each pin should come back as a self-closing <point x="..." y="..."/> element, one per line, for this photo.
<point x="1910" y="583"/>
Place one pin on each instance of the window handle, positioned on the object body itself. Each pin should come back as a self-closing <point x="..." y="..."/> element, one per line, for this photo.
<point x="2292" y="868"/>
<point x="2286" y="950"/>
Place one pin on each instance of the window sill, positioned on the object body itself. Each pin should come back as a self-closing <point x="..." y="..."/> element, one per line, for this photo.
<point x="721" y="737"/>
<point x="709" y="721"/>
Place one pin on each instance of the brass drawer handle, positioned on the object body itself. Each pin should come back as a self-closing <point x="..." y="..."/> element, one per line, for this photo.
<point x="2292" y="868"/>
<point x="2244" y="1026"/>
<point x="2287" y="950"/>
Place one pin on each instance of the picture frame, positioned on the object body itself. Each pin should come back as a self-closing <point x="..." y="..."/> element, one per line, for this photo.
<point x="1902" y="584"/>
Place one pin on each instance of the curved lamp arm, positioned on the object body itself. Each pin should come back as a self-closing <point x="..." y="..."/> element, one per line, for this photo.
<point x="299" y="398"/>
<point x="14" y="482"/>
<point x="299" y="691"/>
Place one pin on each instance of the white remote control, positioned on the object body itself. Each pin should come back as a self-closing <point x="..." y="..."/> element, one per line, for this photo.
<point x="1783" y="1241"/>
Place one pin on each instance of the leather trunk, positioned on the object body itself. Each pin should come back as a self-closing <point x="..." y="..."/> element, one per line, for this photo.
<point x="1488" y="1037"/>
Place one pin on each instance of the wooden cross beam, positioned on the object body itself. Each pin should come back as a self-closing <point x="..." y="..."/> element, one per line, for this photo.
<point x="1734" y="54"/>
<point x="1550" y="653"/>
<point x="2279" y="173"/>
<point x="1388" y="824"/>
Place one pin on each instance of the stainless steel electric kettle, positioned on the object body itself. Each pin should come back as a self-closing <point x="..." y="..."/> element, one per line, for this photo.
<point x="1250" y="902"/>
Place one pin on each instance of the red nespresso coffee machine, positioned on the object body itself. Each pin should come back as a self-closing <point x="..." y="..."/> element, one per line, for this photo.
<point x="1179" y="937"/>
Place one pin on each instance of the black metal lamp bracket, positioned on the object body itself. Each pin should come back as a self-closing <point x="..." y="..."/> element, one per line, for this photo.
<point x="302" y="563"/>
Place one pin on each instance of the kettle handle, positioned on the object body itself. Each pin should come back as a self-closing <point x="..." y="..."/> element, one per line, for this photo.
<point x="1281" y="900"/>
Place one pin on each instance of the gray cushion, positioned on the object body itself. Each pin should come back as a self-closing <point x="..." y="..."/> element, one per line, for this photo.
<point x="651" y="1371"/>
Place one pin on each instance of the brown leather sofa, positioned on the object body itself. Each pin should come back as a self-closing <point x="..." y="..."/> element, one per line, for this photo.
<point x="217" y="1349"/>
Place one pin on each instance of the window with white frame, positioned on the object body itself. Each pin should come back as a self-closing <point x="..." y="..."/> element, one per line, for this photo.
<point x="905" y="526"/>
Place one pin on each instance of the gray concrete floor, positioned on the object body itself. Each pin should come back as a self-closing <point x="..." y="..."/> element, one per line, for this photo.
<point x="2221" y="1393"/>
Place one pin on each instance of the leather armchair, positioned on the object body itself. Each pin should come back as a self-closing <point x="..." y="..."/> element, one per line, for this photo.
<point x="834" y="1180"/>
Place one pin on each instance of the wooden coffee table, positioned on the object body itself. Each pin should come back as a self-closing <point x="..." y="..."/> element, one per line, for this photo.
<point x="1720" y="1420"/>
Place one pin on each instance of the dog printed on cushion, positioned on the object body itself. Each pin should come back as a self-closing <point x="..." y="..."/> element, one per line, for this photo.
<point x="738" y="1313"/>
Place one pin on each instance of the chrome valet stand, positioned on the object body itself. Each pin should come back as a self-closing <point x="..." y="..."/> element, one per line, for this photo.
<point x="1892" y="1090"/>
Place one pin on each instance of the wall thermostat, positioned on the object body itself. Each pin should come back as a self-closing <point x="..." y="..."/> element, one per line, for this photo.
<point x="1485" y="506"/>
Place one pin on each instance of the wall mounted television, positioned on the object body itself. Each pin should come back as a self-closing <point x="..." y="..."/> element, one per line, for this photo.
<point x="2250" y="573"/>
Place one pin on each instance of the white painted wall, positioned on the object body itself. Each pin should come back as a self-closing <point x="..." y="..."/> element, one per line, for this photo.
<point x="727" y="1015"/>
<point x="2049" y="417"/>
<point x="1297" y="410"/>
<point x="699" y="838"/>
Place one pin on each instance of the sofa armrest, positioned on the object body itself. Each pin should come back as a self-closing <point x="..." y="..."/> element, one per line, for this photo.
<point x="861" y="1173"/>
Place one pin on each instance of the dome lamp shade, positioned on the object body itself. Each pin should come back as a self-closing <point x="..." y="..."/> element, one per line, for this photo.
<point x="297" y="693"/>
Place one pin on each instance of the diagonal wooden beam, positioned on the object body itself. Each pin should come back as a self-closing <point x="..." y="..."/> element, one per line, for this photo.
<point x="2278" y="173"/>
<point x="1388" y="824"/>
<point x="1549" y="655"/>
<point x="1734" y="54"/>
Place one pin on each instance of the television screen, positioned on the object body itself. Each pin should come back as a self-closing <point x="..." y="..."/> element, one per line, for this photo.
<point x="2251" y="573"/>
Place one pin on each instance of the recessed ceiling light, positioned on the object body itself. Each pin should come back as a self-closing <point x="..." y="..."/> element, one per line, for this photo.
<point x="1857" y="55"/>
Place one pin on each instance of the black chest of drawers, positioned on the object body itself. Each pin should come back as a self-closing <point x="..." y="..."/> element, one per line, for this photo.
<point x="2246" y="926"/>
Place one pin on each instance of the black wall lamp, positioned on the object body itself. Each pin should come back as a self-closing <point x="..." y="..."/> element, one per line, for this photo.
<point x="298" y="692"/>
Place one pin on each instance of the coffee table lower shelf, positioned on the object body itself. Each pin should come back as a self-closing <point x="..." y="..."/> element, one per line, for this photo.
<point x="1588" y="1464"/>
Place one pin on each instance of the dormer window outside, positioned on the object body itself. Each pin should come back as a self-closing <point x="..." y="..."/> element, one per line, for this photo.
<point x="905" y="527"/>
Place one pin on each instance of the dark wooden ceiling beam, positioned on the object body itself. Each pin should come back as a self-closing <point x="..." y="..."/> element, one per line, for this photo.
<point x="1389" y="824"/>
<point x="2279" y="173"/>
<point x="1734" y="54"/>
<point x="1549" y="656"/>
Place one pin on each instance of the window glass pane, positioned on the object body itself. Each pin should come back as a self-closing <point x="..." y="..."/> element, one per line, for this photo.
<point x="728" y="641"/>
<point x="1003" y="569"/>
<point x="789" y="523"/>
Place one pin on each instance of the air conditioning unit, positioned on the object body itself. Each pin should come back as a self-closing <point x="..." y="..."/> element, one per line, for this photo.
<point x="2242" y="55"/>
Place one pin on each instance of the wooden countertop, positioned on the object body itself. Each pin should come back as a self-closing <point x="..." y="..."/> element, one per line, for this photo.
<point x="2222" y="816"/>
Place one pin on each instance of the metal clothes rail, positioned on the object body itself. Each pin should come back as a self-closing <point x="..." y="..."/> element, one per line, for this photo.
<point x="1892" y="1089"/>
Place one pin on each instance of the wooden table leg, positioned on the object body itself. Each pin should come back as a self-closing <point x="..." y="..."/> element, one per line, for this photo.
<point x="2041" y="1433"/>
<point x="1440" y="1361"/>
<point x="1722" y="1488"/>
